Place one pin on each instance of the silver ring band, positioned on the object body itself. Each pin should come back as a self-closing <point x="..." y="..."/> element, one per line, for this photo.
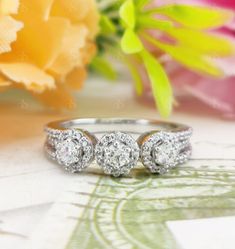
<point x="118" y="144"/>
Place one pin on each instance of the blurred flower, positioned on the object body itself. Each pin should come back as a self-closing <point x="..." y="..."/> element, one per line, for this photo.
<point x="224" y="4"/>
<point x="218" y="94"/>
<point x="220" y="3"/>
<point x="185" y="33"/>
<point x="46" y="45"/>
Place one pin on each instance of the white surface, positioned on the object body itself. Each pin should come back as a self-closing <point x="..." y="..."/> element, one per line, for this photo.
<point x="27" y="178"/>
<point x="216" y="233"/>
<point x="58" y="219"/>
<point x="18" y="225"/>
<point x="30" y="182"/>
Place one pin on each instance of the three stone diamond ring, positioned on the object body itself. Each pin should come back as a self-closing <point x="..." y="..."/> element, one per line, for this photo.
<point x="118" y="144"/>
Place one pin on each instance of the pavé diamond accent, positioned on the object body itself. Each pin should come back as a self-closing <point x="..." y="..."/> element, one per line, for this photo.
<point x="73" y="150"/>
<point x="165" y="153"/>
<point x="161" y="152"/>
<point x="117" y="153"/>
<point x="68" y="152"/>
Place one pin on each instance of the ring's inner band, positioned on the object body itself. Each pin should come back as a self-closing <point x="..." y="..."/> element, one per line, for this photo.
<point x="133" y="126"/>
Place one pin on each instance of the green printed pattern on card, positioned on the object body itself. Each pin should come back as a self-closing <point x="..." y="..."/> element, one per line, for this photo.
<point x="131" y="213"/>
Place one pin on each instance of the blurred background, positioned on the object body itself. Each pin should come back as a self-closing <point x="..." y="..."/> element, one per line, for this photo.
<point x="172" y="60"/>
<point x="178" y="56"/>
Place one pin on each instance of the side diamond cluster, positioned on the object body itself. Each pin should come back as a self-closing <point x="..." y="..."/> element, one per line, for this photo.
<point x="164" y="150"/>
<point x="70" y="148"/>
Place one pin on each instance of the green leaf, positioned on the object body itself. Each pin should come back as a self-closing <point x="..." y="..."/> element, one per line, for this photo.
<point x="107" y="27"/>
<point x="127" y="13"/>
<point x="193" y="60"/>
<point x="161" y="87"/>
<point x="131" y="43"/>
<point x="136" y="77"/>
<point x="103" y="67"/>
<point x="197" y="17"/>
<point x="189" y="57"/>
<point x="204" y="43"/>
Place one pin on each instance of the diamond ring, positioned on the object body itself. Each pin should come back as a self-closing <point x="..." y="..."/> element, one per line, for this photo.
<point x="118" y="144"/>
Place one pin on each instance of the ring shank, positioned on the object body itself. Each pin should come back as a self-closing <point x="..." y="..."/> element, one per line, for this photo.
<point x="99" y="125"/>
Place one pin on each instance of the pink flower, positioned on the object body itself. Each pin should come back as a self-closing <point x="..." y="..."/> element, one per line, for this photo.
<point x="198" y="92"/>
<point x="221" y="3"/>
<point x="229" y="4"/>
<point x="195" y="91"/>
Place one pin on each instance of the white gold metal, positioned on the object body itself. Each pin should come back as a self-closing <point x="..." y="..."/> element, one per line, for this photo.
<point x="159" y="145"/>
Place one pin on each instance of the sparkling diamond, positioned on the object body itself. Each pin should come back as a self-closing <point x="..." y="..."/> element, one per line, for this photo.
<point x="117" y="153"/>
<point x="74" y="150"/>
<point x="160" y="152"/>
<point x="165" y="154"/>
<point x="68" y="152"/>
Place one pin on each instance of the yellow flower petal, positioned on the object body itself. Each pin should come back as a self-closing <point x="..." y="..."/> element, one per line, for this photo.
<point x="8" y="32"/>
<point x="30" y="10"/>
<point x="91" y="20"/>
<point x="9" y="7"/>
<point x="30" y="76"/>
<point x="70" y="55"/>
<point x="88" y="52"/>
<point x="76" y="78"/>
<point x="75" y="10"/>
<point x="78" y="11"/>
<point x="54" y="44"/>
<point x="58" y="98"/>
<point x="4" y="82"/>
<point x="40" y="41"/>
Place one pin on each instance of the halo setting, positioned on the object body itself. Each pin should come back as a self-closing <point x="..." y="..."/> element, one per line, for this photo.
<point x="117" y="153"/>
<point x="160" y="148"/>
<point x="160" y="152"/>
<point x="74" y="150"/>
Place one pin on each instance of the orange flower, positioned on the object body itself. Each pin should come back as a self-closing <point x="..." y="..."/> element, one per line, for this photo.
<point x="46" y="45"/>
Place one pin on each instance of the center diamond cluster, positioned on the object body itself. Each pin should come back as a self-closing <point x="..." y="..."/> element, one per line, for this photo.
<point x="117" y="153"/>
<point x="160" y="152"/>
